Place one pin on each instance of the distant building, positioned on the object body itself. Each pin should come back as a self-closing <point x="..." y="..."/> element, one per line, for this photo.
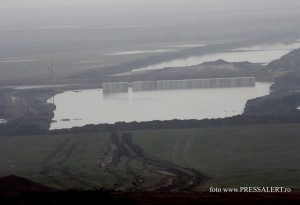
<point x="193" y="83"/>
<point x="115" y="87"/>
<point x="122" y="87"/>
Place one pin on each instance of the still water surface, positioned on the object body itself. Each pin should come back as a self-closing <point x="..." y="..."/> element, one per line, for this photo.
<point x="91" y="107"/>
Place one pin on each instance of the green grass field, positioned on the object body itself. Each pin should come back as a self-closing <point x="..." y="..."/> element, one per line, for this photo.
<point x="254" y="155"/>
<point x="67" y="161"/>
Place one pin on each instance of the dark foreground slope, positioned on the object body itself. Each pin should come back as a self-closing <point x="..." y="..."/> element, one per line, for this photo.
<point x="164" y="198"/>
<point x="25" y="192"/>
<point x="14" y="184"/>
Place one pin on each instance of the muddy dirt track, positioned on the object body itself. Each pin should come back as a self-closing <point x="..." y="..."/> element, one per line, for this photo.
<point x="71" y="174"/>
<point x="172" y="177"/>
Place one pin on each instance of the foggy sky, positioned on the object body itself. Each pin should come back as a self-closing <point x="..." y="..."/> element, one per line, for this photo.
<point x="41" y="3"/>
<point x="204" y="3"/>
<point x="67" y="31"/>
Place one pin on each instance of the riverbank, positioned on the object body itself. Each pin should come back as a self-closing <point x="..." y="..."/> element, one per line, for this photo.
<point x="29" y="107"/>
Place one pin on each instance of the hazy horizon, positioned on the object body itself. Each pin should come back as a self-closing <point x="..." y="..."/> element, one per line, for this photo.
<point x="204" y="3"/>
<point x="72" y="31"/>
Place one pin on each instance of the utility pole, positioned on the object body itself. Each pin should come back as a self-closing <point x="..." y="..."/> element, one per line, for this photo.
<point x="51" y="78"/>
<point x="51" y="73"/>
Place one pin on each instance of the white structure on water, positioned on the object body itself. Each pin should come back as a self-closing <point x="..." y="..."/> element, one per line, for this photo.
<point x="122" y="87"/>
<point x="193" y="83"/>
<point x="115" y="87"/>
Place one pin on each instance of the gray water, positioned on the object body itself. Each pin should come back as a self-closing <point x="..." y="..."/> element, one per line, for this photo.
<point x="91" y="107"/>
<point x="263" y="54"/>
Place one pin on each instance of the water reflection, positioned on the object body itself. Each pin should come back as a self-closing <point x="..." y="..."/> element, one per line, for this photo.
<point x="91" y="107"/>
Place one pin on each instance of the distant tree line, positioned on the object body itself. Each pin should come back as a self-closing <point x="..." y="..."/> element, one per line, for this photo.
<point x="35" y="129"/>
<point x="293" y="117"/>
<point x="12" y="129"/>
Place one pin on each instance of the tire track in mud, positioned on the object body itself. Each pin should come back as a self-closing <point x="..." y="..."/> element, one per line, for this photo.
<point x="176" y="148"/>
<point x="185" y="179"/>
<point x="71" y="174"/>
<point x="55" y="152"/>
<point x="46" y="169"/>
<point x="111" y="156"/>
<point x="187" y="147"/>
<point x="173" y="177"/>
